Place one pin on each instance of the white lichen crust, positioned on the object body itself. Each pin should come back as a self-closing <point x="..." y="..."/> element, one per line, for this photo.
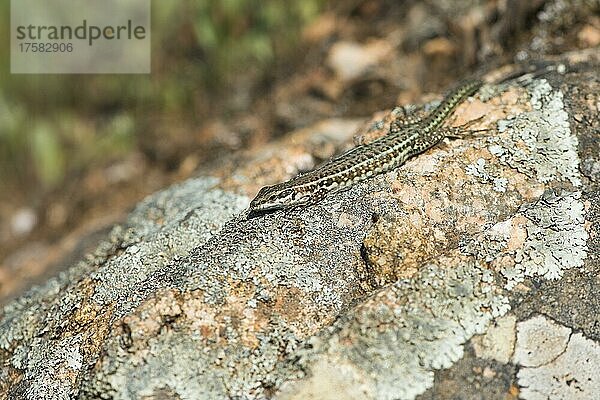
<point x="556" y="364"/>
<point x="556" y="238"/>
<point x="395" y="340"/>
<point x="164" y="227"/>
<point x="539" y="143"/>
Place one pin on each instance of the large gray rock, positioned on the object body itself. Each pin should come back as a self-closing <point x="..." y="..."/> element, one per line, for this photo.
<point x="378" y="292"/>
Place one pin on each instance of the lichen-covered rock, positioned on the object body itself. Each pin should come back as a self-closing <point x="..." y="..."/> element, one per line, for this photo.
<point x="564" y="366"/>
<point x="370" y="294"/>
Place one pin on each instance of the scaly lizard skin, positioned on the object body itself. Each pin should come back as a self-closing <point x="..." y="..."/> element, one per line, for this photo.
<point x="362" y="162"/>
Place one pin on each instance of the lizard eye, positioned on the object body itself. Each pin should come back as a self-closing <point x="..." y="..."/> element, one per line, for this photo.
<point x="286" y="193"/>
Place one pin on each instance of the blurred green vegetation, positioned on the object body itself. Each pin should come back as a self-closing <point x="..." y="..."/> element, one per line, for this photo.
<point x="55" y="125"/>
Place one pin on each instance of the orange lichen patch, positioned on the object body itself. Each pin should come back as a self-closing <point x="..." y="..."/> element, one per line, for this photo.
<point x="517" y="234"/>
<point x="88" y="313"/>
<point x="502" y="262"/>
<point x="471" y="111"/>
<point x="513" y="392"/>
<point x="287" y="303"/>
<point x="200" y="317"/>
<point x="301" y="316"/>
<point x="88" y="310"/>
<point x="528" y="188"/>
<point x="94" y="339"/>
<point x="395" y="249"/>
<point x="150" y="317"/>
<point x="190" y="312"/>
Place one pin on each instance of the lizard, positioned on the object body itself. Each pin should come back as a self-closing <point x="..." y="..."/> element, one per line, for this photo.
<point x="405" y="139"/>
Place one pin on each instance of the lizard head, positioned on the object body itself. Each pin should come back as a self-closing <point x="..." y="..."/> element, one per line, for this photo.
<point x="278" y="196"/>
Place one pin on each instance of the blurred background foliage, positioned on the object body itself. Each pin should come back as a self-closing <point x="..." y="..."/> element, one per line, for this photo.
<point x="55" y="126"/>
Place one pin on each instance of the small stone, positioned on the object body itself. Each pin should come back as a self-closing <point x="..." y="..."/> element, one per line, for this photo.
<point x="23" y="221"/>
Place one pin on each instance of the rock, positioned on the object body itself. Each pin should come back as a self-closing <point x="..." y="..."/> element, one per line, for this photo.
<point x="350" y="60"/>
<point x="374" y="293"/>
<point x="563" y="366"/>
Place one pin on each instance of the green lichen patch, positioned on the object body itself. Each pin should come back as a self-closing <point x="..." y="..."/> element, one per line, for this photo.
<point x="394" y="341"/>
<point x="165" y="226"/>
<point x="539" y="142"/>
<point x="544" y="240"/>
<point x="57" y="331"/>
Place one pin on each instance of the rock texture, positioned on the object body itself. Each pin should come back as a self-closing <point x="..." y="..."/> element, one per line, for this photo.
<point x="379" y="292"/>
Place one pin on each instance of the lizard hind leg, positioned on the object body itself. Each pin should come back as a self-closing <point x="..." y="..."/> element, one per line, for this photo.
<point x="456" y="132"/>
<point x="406" y="119"/>
<point x="463" y="131"/>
